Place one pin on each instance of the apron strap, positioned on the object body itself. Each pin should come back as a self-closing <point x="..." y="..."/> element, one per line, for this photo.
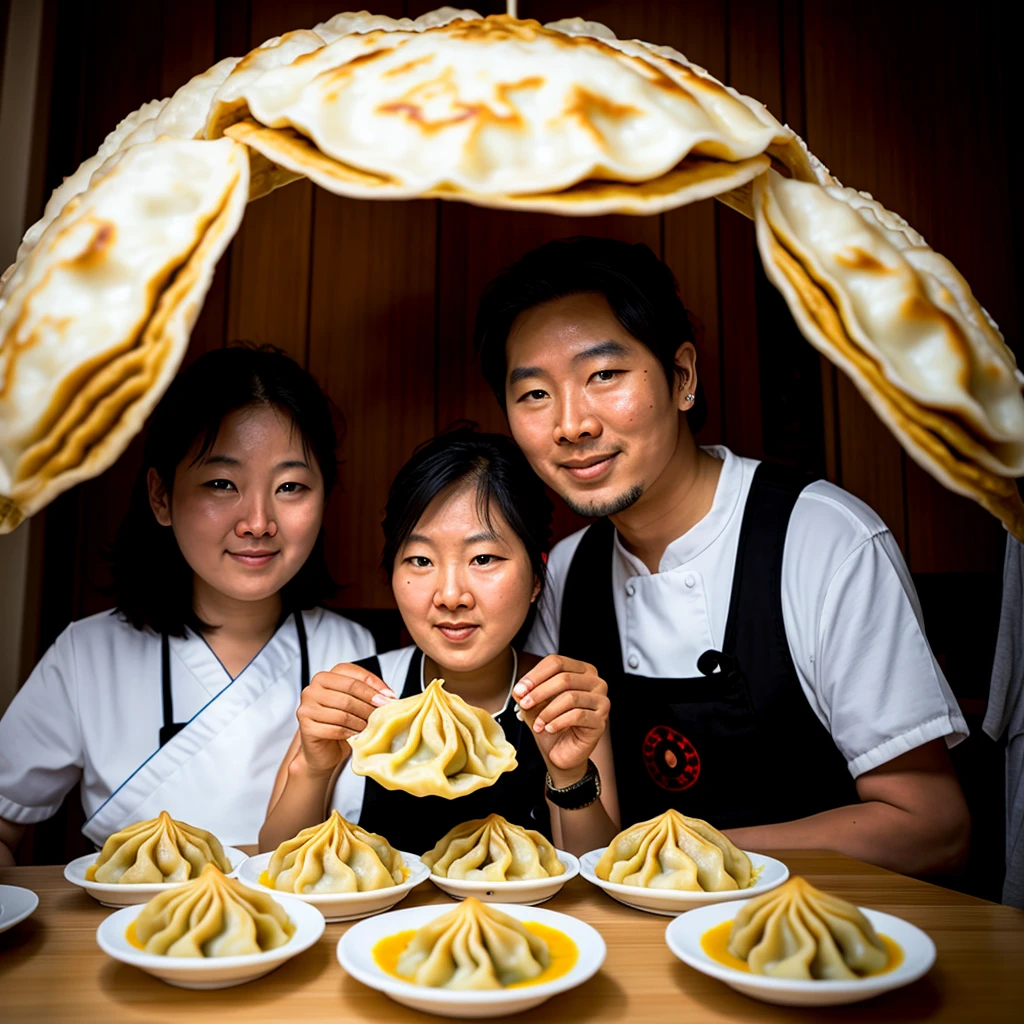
<point x="170" y="728"/>
<point x="300" y="628"/>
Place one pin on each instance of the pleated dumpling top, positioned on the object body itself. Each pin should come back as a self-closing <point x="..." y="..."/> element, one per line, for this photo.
<point x="492" y="849"/>
<point x="432" y="744"/>
<point x="473" y="946"/>
<point x="212" y="916"/>
<point x="335" y="856"/>
<point x="797" y="931"/>
<point x="673" y="851"/>
<point x="158" y="850"/>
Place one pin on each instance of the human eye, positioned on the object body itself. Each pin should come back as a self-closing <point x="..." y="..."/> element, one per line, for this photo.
<point x="292" y="487"/>
<point x="534" y="395"/>
<point x="603" y="376"/>
<point x="486" y="559"/>
<point x="417" y="561"/>
<point x="220" y="484"/>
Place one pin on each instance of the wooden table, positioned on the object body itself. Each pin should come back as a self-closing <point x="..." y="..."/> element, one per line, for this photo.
<point x="52" y="969"/>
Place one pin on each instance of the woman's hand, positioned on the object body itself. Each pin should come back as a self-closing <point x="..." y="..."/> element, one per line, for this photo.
<point x="565" y="703"/>
<point x="334" y="707"/>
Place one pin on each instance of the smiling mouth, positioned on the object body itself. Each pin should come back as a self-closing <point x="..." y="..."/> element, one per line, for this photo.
<point x="456" y="631"/>
<point x="589" y="469"/>
<point x="255" y="559"/>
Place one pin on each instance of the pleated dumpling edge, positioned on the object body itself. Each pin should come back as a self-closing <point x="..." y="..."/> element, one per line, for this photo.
<point x="492" y="849"/>
<point x="432" y="744"/>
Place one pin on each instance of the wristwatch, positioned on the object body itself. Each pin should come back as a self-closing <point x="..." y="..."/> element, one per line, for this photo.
<point x="580" y="794"/>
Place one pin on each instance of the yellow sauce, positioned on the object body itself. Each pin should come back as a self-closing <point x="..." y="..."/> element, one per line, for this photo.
<point x="564" y="954"/>
<point x="715" y="942"/>
<point x="132" y="937"/>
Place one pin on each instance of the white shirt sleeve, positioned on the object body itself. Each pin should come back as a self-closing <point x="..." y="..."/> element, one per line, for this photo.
<point x="41" y="749"/>
<point x="873" y="679"/>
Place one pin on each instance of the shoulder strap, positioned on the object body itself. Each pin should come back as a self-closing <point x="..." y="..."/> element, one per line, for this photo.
<point x="300" y="628"/>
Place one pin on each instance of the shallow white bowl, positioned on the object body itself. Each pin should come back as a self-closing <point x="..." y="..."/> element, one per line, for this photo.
<point x="672" y="902"/>
<point x="16" y="904"/>
<point x="355" y="954"/>
<point x="530" y="891"/>
<point x="114" y="894"/>
<point x="210" y="972"/>
<point x="683" y="936"/>
<point x="341" y="906"/>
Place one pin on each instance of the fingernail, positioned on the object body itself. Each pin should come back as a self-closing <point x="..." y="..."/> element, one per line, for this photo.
<point x="378" y="700"/>
<point x="391" y="694"/>
<point x="526" y="702"/>
<point x="519" y="689"/>
<point x="538" y="726"/>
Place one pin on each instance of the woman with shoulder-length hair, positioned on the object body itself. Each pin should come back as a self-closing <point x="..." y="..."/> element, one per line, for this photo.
<point x="183" y="697"/>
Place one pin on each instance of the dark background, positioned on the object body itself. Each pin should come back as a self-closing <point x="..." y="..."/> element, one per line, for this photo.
<point x="910" y="102"/>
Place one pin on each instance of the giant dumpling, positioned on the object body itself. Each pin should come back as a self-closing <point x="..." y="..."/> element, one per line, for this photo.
<point x="158" y="850"/>
<point x="473" y="946"/>
<point x="673" y="851"/>
<point x="492" y="849"/>
<point x="335" y="856"/>
<point x="432" y="744"/>
<point x="797" y="931"/>
<point x="212" y="916"/>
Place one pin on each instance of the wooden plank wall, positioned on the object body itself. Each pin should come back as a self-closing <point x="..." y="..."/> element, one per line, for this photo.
<point x="377" y="300"/>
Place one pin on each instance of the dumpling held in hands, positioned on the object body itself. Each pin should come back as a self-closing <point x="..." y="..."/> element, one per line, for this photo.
<point x="797" y="931"/>
<point x="432" y="744"/>
<point x="158" y="850"/>
<point x="335" y="856"/>
<point x="672" y="851"/>
<point x="473" y="946"/>
<point x="212" y="916"/>
<point x="492" y="849"/>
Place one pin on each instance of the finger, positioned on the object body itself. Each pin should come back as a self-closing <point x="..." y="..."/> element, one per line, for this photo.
<point x="364" y="676"/>
<point x="337" y="700"/>
<point x="564" y="682"/>
<point x="547" y="667"/>
<point x="327" y="732"/>
<point x="366" y="687"/>
<point x="578" y="718"/>
<point x="321" y="715"/>
<point x="564" y="702"/>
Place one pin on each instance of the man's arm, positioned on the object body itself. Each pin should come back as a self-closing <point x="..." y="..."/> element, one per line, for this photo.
<point x="913" y="819"/>
<point x="10" y="836"/>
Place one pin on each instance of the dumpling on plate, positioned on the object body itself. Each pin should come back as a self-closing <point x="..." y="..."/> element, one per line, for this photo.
<point x="432" y="744"/>
<point x="492" y="849"/>
<point x="335" y="856"/>
<point x="473" y="946"/>
<point x="797" y="931"/>
<point x="158" y="850"/>
<point x="673" y="851"/>
<point x="211" y="916"/>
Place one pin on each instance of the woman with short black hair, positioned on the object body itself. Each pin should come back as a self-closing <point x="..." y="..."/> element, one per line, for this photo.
<point x="466" y="530"/>
<point x="182" y="698"/>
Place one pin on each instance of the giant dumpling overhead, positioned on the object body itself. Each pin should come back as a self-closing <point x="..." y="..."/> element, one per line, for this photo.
<point x="673" y="851"/>
<point x="432" y="744"/>
<point x="799" y="932"/>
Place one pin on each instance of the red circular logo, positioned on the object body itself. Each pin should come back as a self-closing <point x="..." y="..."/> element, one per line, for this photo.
<point x="671" y="759"/>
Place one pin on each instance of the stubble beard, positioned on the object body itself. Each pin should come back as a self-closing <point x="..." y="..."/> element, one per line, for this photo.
<point x="600" y="510"/>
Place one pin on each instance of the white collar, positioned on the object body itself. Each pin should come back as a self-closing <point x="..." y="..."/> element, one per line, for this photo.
<point x="704" y="533"/>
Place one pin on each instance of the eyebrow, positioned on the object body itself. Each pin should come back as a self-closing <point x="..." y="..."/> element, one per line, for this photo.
<point x="230" y="460"/>
<point x="521" y="373"/>
<point x="602" y="348"/>
<point x="475" y="538"/>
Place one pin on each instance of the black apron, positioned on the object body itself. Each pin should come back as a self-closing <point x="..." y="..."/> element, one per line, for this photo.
<point x="416" y="823"/>
<point x="171" y="728"/>
<point x="739" y="744"/>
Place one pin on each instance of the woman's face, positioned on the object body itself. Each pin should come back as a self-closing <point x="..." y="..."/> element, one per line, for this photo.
<point x="247" y="515"/>
<point x="463" y="589"/>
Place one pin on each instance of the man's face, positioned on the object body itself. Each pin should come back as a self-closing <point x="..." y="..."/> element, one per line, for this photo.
<point x="589" y="404"/>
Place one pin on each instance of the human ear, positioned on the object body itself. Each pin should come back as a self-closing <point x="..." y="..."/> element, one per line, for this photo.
<point x="159" y="499"/>
<point x="686" y="376"/>
<point x="536" y="590"/>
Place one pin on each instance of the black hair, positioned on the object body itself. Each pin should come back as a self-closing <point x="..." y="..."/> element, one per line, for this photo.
<point x="640" y="288"/>
<point x="502" y="475"/>
<point x="152" y="582"/>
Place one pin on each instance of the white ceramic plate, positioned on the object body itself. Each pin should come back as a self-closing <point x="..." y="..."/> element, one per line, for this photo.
<point x="113" y="894"/>
<point x="16" y="904"/>
<point x="683" y="936"/>
<point x="355" y="954"/>
<point x="341" y="906"/>
<point x="530" y="891"/>
<point x="210" y="972"/>
<point x="671" y="902"/>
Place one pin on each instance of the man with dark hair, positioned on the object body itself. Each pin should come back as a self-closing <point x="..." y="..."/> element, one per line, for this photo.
<point x="760" y="636"/>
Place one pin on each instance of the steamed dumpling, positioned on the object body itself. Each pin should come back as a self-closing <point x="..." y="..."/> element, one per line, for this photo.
<point x="675" y="852"/>
<point x="473" y="947"/>
<point x="797" y="931"/>
<point x="432" y="744"/>
<point x="212" y="916"/>
<point x="336" y="856"/>
<point x="158" y="850"/>
<point x="492" y="849"/>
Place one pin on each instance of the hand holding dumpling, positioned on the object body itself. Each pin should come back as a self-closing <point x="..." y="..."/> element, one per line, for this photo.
<point x="335" y="707"/>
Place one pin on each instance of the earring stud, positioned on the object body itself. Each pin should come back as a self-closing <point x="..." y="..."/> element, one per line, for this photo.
<point x="690" y="397"/>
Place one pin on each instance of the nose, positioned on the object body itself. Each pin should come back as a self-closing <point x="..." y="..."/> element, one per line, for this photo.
<point x="575" y="420"/>
<point x="452" y="593"/>
<point x="256" y="519"/>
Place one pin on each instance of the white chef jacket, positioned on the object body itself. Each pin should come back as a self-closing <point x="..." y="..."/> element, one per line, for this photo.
<point x="852" y="617"/>
<point x="91" y="710"/>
